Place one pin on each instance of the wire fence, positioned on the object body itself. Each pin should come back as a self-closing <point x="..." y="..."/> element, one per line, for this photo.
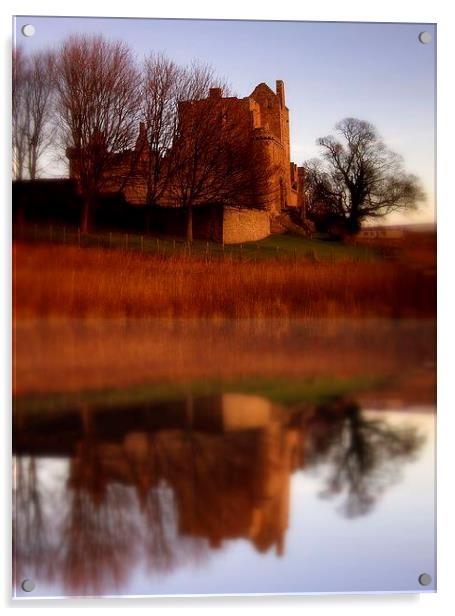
<point x="163" y="246"/>
<point x="168" y="246"/>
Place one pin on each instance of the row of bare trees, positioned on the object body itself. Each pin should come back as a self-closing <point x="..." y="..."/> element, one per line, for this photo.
<point x="89" y="97"/>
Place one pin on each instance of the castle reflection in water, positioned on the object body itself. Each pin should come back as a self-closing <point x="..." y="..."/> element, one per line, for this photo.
<point x="168" y="482"/>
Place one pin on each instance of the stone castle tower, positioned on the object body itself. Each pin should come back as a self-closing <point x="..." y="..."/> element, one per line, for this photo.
<point x="265" y="114"/>
<point x="272" y="124"/>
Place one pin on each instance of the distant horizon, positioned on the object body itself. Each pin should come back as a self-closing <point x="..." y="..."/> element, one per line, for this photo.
<point x="331" y="70"/>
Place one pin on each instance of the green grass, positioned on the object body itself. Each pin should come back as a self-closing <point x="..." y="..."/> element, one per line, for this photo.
<point x="313" y="248"/>
<point x="289" y="392"/>
<point x="282" y="246"/>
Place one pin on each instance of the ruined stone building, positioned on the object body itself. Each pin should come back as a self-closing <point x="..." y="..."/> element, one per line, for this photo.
<point x="263" y="115"/>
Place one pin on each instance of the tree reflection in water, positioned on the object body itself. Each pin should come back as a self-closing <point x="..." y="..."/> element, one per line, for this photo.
<point x="98" y="540"/>
<point x="32" y="529"/>
<point x="166" y="494"/>
<point x="362" y="454"/>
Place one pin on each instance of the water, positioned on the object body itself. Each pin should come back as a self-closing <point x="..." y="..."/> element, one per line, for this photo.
<point x="319" y="481"/>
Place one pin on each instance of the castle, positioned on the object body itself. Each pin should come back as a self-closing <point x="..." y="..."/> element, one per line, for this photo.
<point x="264" y="118"/>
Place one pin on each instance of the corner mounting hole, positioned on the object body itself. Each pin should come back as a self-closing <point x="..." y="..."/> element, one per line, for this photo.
<point x="425" y="37"/>
<point x="28" y="585"/>
<point x="28" y="30"/>
<point x="424" y="579"/>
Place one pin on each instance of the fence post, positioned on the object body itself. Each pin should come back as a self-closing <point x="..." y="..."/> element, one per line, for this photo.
<point x="142" y="243"/>
<point x="50" y="233"/>
<point x="79" y="236"/>
<point x="35" y="231"/>
<point x="126" y="241"/>
<point x="64" y="235"/>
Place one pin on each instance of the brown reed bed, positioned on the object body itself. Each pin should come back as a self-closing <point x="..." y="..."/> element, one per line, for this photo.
<point x="54" y="280"/>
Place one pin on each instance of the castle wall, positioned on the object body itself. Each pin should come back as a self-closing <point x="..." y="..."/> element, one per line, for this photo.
<point x="207" y="222"/>
<point x="264" y="115"/>
<point x="245" y="225"/>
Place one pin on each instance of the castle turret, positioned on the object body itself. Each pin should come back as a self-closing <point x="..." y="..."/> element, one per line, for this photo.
<point x="215" y="93"/>
<point x="141" y="140"/>
<point x="280" y="93"/>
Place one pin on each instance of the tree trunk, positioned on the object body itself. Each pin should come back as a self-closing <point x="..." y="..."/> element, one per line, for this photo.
<point x="189" y="224"/>
<point x="20" y="214"/>
<point x="353" y="224"/>
<point x="33" y="169"/>
<point x="353" y="221"/>
<point x="32" y="162"/>
<point x="148" y="219"/>
<point x="85" y="218"/>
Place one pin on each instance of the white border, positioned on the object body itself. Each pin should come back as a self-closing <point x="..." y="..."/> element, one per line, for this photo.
<point x="438" y="11"/>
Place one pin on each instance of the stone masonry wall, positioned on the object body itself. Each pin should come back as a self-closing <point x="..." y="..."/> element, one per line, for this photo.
<point x="245" y="225"/>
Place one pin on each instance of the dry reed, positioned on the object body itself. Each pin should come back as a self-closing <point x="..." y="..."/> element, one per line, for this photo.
<point x="52" y="280"/>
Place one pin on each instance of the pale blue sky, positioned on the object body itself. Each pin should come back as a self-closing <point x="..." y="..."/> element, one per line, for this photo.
<point x="376" y="72"/>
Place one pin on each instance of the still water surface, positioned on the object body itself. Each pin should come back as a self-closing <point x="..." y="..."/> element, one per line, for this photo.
<point x="186" y="457"/>
<point x="226" y="493"/>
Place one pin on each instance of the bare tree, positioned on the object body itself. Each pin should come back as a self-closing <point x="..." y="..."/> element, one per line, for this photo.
<point x="218" y="159"/>
<point x="19" y="117"/>
<point x="158" y="154"/>
<point x="98" y="95"/>
<point x="39" y="107"/>
<point x="33" y="89"/>
<point x="358" y="178"/>
<point x="162" y="81"/>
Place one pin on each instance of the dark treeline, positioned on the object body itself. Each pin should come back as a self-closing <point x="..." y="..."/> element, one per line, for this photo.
<point x="57" y="202"/>
<point x="87" y="99"/>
